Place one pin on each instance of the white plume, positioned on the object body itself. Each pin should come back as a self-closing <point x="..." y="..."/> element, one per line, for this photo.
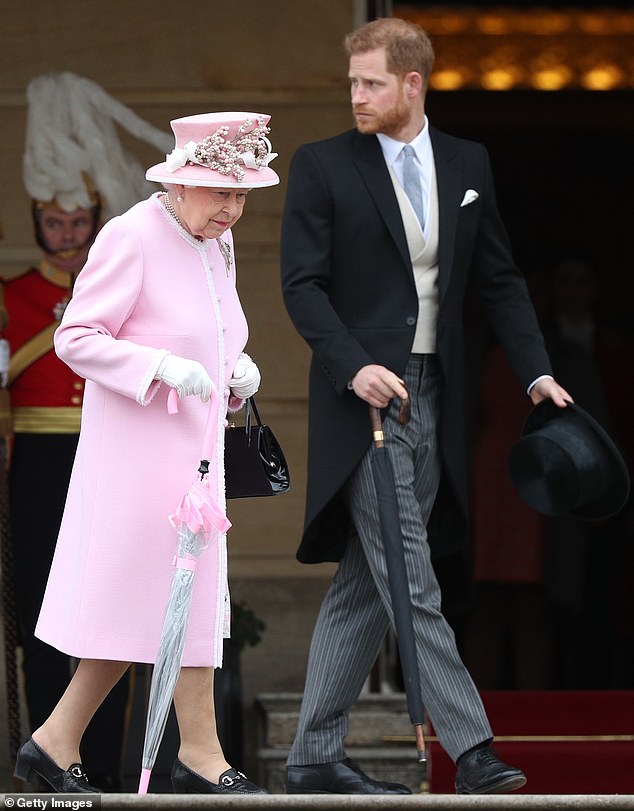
<point x="71" y="128"/>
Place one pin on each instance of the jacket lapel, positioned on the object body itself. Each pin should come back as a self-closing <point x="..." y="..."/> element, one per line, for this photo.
<point x="368" y="157"/>
<point x="449" y="181"/>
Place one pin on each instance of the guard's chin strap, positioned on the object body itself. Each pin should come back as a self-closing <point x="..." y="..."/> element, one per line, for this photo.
<point x="64" y="253"/>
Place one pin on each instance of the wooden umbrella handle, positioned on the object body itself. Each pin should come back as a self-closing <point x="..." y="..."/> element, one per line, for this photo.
<point x="405" y="411"/>
<point x="376" y="422"/>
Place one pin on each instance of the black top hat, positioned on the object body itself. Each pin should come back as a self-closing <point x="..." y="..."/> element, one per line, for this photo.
<point x="566" y="464"/>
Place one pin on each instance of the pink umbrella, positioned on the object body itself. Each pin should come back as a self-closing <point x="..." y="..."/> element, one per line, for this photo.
<point x="197" y="520"/>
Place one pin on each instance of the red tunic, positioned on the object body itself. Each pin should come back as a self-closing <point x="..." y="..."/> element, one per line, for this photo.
<point x="46" y="395"/>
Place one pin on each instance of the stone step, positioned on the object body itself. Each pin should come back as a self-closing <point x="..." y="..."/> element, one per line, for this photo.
<point x="571" y="741"/>
<point x="373" y="717"/>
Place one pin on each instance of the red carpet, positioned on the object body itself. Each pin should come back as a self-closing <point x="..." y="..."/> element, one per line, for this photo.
<point x="577" y="766"/>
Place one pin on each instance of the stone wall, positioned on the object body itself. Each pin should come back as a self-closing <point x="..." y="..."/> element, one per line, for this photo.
<point x="167" y="61"/>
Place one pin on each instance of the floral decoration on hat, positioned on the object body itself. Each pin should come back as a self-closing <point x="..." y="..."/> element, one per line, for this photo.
<point x="249" y="148"/>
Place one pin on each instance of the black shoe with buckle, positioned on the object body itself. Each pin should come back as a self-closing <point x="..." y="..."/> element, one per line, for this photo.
<point x="341" y="777"/>
<point x="186" y="781"/>
<point x="480" y="771"/>
<point x="34" y="760"/>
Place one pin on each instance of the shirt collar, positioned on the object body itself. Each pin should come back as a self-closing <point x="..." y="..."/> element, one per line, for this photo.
<point x="393" y="148"/>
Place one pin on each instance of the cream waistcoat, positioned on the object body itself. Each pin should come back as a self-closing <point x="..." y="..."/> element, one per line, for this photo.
<point x="424" y="256"/>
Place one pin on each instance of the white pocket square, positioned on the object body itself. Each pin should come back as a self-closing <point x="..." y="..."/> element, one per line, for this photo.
<point x="469" y="196"/>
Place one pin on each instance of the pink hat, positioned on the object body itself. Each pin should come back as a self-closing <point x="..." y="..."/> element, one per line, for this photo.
<point x="225" y="150"/>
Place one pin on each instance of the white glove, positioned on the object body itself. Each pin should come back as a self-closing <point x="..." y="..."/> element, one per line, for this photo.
<point x="186" y="376"/>
<point x="246" y="378"/>
<point x="4" y="362"/>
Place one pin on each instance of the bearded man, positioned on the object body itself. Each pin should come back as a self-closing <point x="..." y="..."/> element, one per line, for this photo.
<point x="383" y="228"/>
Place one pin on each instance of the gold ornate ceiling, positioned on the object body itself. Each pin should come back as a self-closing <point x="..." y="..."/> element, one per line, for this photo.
<point x="528" y="49"/>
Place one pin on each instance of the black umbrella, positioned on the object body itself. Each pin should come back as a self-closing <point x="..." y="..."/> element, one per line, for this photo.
<point x="397" y="577"/>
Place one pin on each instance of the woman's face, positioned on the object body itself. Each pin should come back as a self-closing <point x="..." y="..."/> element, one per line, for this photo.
<point x="209" y="212"/>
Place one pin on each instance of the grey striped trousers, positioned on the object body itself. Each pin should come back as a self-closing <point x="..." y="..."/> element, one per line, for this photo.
<point x="356" y="611"/>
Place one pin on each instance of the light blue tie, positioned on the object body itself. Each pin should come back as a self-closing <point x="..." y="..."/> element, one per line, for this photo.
<point x="411" y="182"/>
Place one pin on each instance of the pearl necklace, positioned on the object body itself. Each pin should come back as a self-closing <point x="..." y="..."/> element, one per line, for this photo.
<point x="170" y="209"/>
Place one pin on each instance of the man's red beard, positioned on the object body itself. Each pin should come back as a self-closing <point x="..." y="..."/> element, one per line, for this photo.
<point x="389" y="122"/>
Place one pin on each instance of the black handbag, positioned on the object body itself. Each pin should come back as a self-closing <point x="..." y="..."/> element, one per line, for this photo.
<point x="254" y="461"/>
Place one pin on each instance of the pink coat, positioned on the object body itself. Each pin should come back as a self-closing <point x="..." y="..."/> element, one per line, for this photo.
<point x="147" y="288"/>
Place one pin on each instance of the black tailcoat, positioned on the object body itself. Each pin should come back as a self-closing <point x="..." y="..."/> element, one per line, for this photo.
<point x="349" y="289"/>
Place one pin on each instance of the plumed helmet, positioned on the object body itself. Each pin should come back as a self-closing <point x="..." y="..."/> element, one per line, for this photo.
<point x="73" y="150"/>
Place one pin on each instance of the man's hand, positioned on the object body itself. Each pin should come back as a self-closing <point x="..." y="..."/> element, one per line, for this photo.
<point x="377" y="385"/>
<point x="547" y="388"/>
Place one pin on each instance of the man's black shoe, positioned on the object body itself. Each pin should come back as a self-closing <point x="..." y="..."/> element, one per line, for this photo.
<point x="480" y="771"/>
<point x="342" y="777"/>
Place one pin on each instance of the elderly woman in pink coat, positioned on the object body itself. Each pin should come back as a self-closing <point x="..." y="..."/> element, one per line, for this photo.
<point x="155" y="308"/>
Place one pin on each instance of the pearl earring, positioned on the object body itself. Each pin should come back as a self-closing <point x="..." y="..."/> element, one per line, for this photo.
<point x="179" y="199"/>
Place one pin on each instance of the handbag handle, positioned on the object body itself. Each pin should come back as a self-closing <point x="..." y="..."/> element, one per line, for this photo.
<point x="250" y="406"/>
<point x="251" y="403"/>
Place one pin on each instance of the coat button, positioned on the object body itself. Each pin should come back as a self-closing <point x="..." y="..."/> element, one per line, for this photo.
<point x="410" y="321"/>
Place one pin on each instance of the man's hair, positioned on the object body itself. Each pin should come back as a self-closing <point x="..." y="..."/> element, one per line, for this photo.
<point x="407" y="46"/>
